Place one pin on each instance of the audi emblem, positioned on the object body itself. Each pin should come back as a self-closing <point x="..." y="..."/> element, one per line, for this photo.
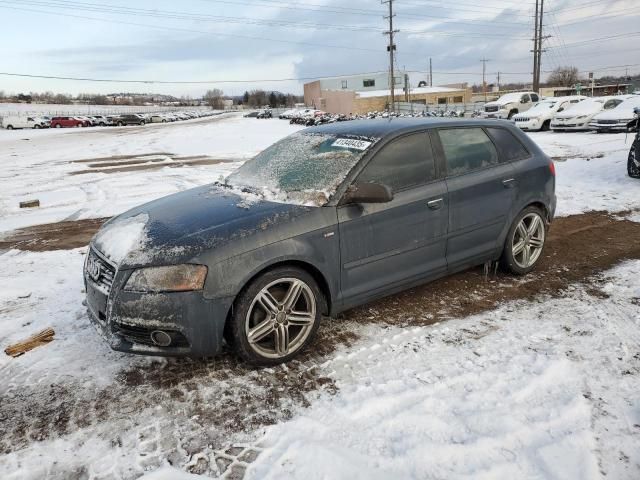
<point x="93" y="268"/>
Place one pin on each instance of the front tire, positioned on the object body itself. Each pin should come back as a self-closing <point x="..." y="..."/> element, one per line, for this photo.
<point x="276" y="316"/>
<point x="525" y="242"/>
<point x="633" y="163"/>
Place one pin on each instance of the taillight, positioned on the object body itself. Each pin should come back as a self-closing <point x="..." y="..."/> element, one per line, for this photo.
<point x="552" y="167"/>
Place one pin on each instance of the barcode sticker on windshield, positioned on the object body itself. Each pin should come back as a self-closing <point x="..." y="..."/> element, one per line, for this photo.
<point x="351" y="143"/>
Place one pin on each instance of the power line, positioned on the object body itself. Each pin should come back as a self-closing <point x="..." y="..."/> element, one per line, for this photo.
<point x="190" y="30"/>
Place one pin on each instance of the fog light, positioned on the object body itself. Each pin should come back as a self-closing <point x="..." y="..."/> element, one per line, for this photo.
<point x="160" y="338"/>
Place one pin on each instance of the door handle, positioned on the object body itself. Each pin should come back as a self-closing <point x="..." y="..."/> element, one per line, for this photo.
<point x="435" y="204"/>
<point x="509" y="182"/>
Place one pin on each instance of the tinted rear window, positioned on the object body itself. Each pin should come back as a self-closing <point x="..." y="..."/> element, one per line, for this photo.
<point x="510" y="147"/>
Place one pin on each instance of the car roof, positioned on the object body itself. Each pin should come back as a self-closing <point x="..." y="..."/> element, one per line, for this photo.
<point x="384" y="127"/>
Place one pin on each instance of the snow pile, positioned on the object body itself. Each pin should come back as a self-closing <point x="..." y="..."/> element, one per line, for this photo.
<point x="541" y="390"/>
<point x="120" y="238"/>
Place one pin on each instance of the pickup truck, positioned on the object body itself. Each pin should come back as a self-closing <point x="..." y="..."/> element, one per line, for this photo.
<point x="510" y="104"/>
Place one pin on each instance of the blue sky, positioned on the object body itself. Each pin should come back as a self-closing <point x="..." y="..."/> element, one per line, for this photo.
<point x="271" y="39"/>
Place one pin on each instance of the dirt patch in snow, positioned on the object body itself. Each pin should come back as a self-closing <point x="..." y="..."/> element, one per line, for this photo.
<point x="146" y="161"/>
<point x="64" y="235"/>
<point x="578" y="247"/>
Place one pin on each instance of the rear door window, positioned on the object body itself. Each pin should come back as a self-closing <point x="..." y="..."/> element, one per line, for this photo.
<point x="525" y="98"/>
<point x="467" y="149"/>
<point x="404" y="163"/>
<point x="510" y="147"/>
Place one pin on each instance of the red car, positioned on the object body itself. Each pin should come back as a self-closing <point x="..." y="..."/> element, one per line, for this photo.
<point x="58" y="122"/>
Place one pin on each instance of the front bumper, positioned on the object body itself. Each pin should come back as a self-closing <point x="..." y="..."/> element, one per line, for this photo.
<point x="500" y="114"/>
<point x="126" y="319"/>
<point x="533" y="124"/>
<point x="570" y="125"/>
<point x="609" y="127"/>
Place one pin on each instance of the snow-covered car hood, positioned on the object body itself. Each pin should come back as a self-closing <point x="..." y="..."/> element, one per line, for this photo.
<point x="178" y="227"/>
<point x="495" y="103"/>
<point x="621" y="112"/>
<point x="571" y="113"/>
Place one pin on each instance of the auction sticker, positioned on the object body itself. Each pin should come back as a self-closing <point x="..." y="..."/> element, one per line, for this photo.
<point x="351" y="143"/>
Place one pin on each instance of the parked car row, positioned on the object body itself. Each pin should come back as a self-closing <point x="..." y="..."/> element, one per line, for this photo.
<point x="45" y="121"/>
<point x="576" y="112"/>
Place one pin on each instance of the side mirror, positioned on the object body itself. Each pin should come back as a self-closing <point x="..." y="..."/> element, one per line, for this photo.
<point x="636" y="110"/>
<point x="368" y="193"/>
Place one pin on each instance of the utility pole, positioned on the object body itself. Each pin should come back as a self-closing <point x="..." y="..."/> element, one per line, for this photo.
<point x="430" y="73"/>
<point x="539" y="61"/>
<point x="498" y="81"/>
<point x="484" y="73"/>
<point x="534" y="83"/>
<point x="391" y="48"/>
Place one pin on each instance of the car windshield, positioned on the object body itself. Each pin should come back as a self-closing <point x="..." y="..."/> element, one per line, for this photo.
<point x="302" y="168"/>
<point x="543" y="106"/>
<point x="510" y="97"/>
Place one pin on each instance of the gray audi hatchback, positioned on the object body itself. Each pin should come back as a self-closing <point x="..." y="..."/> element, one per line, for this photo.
<point x="326" y="219"/>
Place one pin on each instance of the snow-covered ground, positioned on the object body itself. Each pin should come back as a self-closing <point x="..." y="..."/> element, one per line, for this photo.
<point x="38" y="164"/>
<point x="547" y="388"/>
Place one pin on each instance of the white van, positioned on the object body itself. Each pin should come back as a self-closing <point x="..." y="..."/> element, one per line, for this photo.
<point x="22" y="122"/>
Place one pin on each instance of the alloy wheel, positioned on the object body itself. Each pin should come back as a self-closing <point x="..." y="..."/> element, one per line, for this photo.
<point x="280" y="318"/>
<point x="528" y="240"/>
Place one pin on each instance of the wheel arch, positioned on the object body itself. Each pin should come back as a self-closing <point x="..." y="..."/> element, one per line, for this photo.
<point x="308" y="267"/>
<point x="540" y="205"/>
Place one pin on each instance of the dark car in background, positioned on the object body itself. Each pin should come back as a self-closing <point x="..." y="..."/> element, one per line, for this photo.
<point x="121" y="120"/>
<point x="633" y="161"/>
<point x="322" y="221"/>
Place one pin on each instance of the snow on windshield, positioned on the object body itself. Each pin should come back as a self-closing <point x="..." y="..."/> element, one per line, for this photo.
<point x="510" y="97"/>
<point x="304" y="168"/>
<point x="542" y="106"/>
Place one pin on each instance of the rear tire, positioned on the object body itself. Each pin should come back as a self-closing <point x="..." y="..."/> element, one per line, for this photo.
<point x="9" y="127"/>
<point x="276" y="316"/>
<point x="525" y="242"/>
<point x="633" y="163"/>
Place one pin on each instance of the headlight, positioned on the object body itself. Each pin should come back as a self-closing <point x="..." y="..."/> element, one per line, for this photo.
<point x="625" y="120"/>
<point x="175" y="278"/>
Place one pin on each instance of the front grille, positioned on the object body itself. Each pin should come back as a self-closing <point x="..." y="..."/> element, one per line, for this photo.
<point x="525" y="119"/>
<point x="100" y="271"/>
<point x="607" y="122"/>
<point x="142" y="335"/>
<point x="491" y="109"/>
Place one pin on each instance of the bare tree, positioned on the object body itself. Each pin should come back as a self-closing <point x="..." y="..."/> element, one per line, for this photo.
<point x="214" y="98"/>
<point x="564" y="77"/>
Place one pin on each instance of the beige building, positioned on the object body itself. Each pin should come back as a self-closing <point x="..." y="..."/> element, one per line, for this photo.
<point x="358" y="102"/>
